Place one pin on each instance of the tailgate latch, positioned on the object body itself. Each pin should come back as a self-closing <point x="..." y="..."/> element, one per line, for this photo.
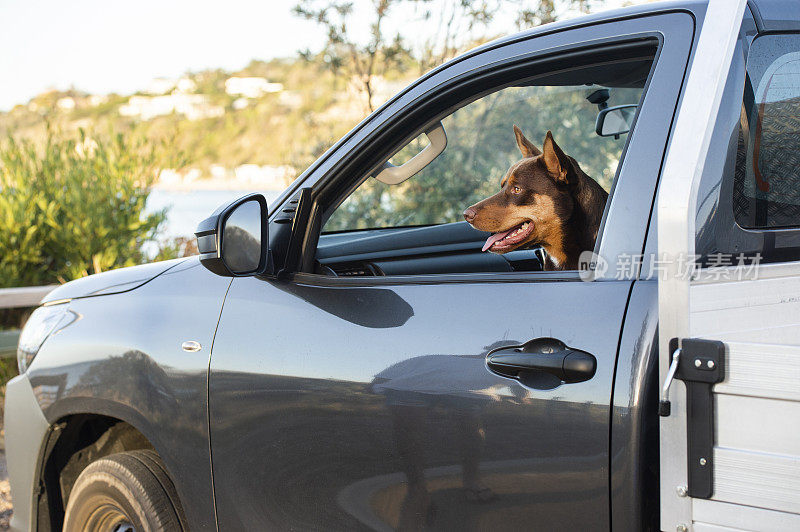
<point x="700" y="364"/>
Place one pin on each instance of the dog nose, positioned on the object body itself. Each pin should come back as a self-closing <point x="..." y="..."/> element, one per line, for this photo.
<point x="469" y="214"/>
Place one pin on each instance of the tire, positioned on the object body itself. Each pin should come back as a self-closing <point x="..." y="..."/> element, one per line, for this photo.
<point x="124" y="492"/>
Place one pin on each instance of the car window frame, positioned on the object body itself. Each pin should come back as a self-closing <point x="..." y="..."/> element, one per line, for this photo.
<point x="674" y="32"/>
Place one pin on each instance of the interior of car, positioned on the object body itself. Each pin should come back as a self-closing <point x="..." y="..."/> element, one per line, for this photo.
<point x="405" y="218"/>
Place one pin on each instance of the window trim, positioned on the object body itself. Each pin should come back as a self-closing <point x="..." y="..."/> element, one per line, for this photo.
<point x="313" y="279"/>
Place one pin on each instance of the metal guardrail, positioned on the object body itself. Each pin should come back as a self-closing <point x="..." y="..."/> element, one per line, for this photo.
<point x="28" y="296"/>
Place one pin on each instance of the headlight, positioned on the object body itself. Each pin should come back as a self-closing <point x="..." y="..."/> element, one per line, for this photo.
<point x="40" y="325"/>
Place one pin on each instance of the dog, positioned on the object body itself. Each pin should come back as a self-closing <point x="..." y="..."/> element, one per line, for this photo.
<point x="545" y="200"/>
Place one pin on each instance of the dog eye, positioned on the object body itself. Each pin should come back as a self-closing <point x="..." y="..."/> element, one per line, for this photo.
<point x="516" y="190"/>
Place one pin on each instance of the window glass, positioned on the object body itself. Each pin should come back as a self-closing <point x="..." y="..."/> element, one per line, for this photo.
<point x="481" y="147"/>
<point x="766" y="190"/>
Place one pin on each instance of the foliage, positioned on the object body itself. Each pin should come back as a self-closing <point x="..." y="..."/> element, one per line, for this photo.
<point x="74" y="206"/>
<point x="385" y="50"/>
<point x="545" y="11"/>
<point x="458" y="24"/>
<point x="344" y="54"/>
<point x="462" y="23"/>
<point x="293" y="127"/>
<point x="176" y="247"/>
<point x="8" y="370"/>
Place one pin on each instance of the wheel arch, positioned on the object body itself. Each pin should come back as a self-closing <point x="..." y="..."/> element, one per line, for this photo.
<point x="82" y="430"/>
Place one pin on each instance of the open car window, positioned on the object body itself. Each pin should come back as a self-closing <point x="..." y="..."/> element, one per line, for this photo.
<point x="525" y="166"/>
<point x="480" y="149"/>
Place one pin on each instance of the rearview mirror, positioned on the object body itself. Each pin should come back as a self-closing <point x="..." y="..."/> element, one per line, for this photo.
<point x="233" y="241"/>
<point x="615" y="121"/>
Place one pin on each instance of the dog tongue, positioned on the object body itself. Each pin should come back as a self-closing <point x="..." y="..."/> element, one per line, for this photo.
<point x="494" y="238"/>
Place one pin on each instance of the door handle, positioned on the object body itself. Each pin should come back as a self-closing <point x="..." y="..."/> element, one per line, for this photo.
<point x="543" y="355"/>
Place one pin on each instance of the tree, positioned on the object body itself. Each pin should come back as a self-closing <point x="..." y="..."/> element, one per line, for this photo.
<point x="74" y="206"/>
<point x="361" y="62"/>
<point x="459" y="23"/>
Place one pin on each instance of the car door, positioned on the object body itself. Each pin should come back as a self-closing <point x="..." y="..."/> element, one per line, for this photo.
<point x="367" y="403"/>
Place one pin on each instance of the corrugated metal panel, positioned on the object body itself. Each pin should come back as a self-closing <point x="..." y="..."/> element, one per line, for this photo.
<point x="757" y="406"/>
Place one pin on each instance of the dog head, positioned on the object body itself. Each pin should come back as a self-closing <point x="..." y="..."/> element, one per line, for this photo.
<point x="534" y="201"/>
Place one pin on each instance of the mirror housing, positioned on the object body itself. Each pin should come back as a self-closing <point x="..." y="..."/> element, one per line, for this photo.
<point x="234" y="240"/>
<point x="615" y="121"/>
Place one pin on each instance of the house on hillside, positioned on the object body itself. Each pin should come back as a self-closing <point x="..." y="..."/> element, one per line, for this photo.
<point x="193" y="106"/>
<point x="67" y="103"/>
<point x="250" y="87"/>
<point x="266" y="177"/>
<point x="186" y="85"/>
<point x="97" y="99"/>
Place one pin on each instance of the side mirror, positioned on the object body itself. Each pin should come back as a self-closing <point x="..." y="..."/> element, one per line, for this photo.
<point x="615" y="121"/>
<point x="233" y="241"/>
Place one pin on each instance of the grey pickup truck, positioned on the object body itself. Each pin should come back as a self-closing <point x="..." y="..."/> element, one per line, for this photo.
<point x="356" y="356"/>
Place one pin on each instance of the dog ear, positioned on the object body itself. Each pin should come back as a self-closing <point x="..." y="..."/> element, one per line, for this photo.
<point x="525" y="146"/>
<point x="555" y="160"/>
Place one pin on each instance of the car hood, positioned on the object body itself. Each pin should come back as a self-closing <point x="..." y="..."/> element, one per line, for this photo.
<point x="111" y="282"/>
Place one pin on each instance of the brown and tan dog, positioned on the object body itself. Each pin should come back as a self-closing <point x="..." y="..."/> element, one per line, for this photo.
<point x="545" y="200"/>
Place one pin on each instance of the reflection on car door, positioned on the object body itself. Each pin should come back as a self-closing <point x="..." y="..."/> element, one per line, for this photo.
<point x="372" y="406"/>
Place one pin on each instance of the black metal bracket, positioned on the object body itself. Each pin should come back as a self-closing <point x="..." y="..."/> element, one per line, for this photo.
<point x="300" y="215"/>
<point x="702" y="364"/>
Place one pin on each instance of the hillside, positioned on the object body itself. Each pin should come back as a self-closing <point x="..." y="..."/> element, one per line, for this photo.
<point x="267" y="121"/>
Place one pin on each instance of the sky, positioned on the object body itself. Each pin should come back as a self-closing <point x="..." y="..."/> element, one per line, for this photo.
<point x="104" y="46"/>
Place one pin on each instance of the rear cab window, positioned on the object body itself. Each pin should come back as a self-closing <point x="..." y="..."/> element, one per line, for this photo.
<point x="748" y="207"/>
<point x="767" y="181"/>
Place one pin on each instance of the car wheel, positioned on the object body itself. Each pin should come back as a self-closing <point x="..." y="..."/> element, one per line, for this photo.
<point x="124" y="492"/>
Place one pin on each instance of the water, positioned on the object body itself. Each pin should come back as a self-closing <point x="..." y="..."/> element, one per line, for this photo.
<point x="185" y="209"/>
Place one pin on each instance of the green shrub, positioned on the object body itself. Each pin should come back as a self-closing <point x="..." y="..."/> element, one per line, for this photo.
<point x="74" y="205"/>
